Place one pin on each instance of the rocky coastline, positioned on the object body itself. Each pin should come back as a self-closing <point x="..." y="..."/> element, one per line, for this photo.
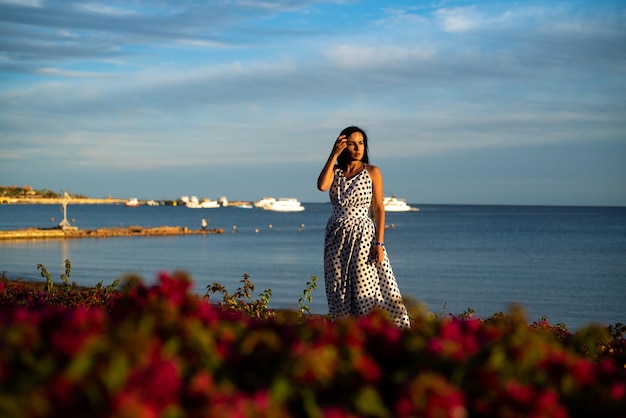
<point x="130" y="231"/>
<point x="60" y="201"/>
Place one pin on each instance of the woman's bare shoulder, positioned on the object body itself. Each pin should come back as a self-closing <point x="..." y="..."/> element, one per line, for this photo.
<point x="372" y="169"/>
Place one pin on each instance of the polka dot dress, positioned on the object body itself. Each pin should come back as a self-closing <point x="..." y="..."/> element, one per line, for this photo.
<point x="354" y="284"/>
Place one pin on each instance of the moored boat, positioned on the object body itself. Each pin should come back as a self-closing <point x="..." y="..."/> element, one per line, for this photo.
<point x="194" y="203"/>
<point x="393" y="204"/>
<point x="209" y="204"/>
<point x="285" y="204"/>
<point x="261" y="203"/>
<point x="132" y="202"/>
<point x="243" y="206"/>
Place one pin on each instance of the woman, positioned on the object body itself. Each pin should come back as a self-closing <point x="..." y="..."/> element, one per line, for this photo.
<point x="357" y="272"/>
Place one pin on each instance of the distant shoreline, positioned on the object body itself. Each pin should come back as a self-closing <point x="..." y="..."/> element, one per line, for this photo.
<point x="88" y="201"/>
<point x="61" y="200"/>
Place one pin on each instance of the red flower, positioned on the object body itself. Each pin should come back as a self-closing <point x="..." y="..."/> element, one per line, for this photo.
<point x="174" y="288"/>
<point x="201" y="384"/>
<point x="547" y="405"/>
<point x="430" y="395"/>
<point x="618" y="391"/>
<point x="335" y="412"/>
<point x="457" y="340"/>
<point x="77" y="328"/>
<point x="158" y="383"/>
<point x="519" y="393"/>
<point x="368" y="368"/>
<point x="130" y="405"/>
<point x="583" y="371"/>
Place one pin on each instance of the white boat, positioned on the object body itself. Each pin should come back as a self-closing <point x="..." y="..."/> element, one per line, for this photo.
<point x="209" y="204"/>
<point x="285" y="204"/>
<point x="244" y="206"/>
<point x="132" y="202"/>
<point x="264" y="202"/>
<point x="393" y="204"/>
<point x="194" y="203"/>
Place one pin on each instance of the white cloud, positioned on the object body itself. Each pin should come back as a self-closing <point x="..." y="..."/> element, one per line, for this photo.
<point x="56" y="72"/>
<point x="24" y="3"/>
<point x="402" y="17"/>
<point x="460" y="19"/>
<point x="106" y="9"/>
<point x="360" y="56"/>
<point x="204" y="43"/>
<point x="467" y="19"/>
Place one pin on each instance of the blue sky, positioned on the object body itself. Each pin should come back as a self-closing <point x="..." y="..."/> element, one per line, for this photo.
<point x="468" y="102"/>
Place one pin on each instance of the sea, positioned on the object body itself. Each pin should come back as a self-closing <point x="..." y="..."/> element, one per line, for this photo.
<point x="567" y="264"/>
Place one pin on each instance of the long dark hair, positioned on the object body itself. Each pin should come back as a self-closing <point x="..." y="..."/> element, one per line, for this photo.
<point x="342" y="160"/>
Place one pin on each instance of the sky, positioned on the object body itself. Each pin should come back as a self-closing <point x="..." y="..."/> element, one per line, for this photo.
<point x="464" y="102"/>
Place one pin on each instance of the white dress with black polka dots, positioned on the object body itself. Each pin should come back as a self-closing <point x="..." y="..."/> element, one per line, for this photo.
<point x="354" y="284"/>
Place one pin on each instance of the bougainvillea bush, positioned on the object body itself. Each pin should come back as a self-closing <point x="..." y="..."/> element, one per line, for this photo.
<point x="162" y="351"/>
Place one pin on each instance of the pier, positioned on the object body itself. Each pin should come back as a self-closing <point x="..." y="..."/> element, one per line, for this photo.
<point x="130" y="231"/>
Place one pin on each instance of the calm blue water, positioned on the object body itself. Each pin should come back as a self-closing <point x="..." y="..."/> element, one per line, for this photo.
<point x="568" y="263"/>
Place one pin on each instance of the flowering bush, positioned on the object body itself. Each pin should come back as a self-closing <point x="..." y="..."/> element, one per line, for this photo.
<point x="241" y="300"/>
<point x="161" y="351"/>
